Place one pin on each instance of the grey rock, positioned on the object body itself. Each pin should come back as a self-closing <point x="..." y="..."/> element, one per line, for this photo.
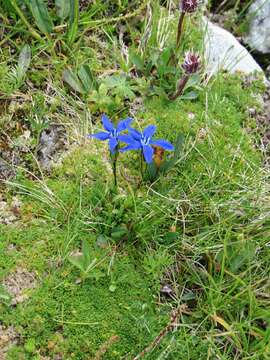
<point x="6" y="170"/>
<point x="224" y="52"/>
<point x="259" y="29"/>
<point x="52" y="142"/>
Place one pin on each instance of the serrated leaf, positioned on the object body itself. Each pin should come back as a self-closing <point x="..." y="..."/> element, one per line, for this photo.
<point x="73" y="81"/>
<point x="62" y="8"/>
<point x="41" y="15"/>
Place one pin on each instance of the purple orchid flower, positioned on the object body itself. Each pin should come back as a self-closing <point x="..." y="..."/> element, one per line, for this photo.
<point x="143" y="141"/>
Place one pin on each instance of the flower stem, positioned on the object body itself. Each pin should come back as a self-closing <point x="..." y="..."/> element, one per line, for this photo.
<point x="141" y="164"/>
<point x="115" y="171"/>
<point x="114" y="158"/>
<point x="180" y="29"/>
<point x="180" y="88"/>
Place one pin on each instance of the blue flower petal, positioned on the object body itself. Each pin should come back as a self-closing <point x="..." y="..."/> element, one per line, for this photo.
<point x="134" y="146"/>
<point x="163" y="143"/>
<point x="148" y="152"/>
<point x="123" y="124"/>
<point x="101" y="135"/>
<point x="112" y="145"/>
<point x="127" y="139"/>
<point x="107" y="123"/>
<point x="149" y="131"/>
<point x="135" y="134"/>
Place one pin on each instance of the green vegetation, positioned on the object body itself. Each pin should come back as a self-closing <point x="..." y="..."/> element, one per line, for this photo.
<point x="100" y="259"/>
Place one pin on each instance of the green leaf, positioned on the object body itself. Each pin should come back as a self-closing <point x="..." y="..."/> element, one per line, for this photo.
<point x="73" y="21"/>
<point x="118" y="233"/>
<point x="136" y="60"/>
<point x="41" y="15"/>
<point x="179" y="145"/>
<point x="87" y="261"/>
<point x="192" y="95"/>
<point x="87" y="78"/>
<point x="62" y="8"/>
<point x="24" y="58"/>
<point x="170" y="237"/>
<point x="77" y="261"/>
<point x="167" y="165"/>
<point x="102" y="242"/>
<point x="194" y="80"/>
<point x="73" y="81"/>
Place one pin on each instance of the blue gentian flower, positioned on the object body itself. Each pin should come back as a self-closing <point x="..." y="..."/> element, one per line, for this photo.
<point x="143" y="141"/>
<point x="112" y="133"/>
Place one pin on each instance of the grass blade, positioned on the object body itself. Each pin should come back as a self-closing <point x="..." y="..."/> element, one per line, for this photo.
<point x="73" y="21"/>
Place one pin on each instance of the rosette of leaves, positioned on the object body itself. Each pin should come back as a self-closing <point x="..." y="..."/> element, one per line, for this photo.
<point x="16" y="75"/>
<point x="104" y="95"/>
<point x="86" y="262"/>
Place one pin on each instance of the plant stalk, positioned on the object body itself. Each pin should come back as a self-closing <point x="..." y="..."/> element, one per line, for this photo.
<point x="141" y="164"/>
<point x="180" y="88"/>
<point x="115" y="171"/>
<point x="180" y="29"/>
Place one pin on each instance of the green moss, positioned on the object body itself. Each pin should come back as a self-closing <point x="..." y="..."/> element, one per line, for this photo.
<point x="185" y="230"/>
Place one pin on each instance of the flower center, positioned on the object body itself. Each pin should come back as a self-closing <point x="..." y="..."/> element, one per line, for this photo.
<point x="114" y="133"/>
<point x="145" y="140"/>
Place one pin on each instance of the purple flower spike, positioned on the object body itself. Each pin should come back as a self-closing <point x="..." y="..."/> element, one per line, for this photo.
<point x="189" y="6"/>
<point x="111" y="133"/>
<point x="143" y="141"/>
<point x="192" y="63"/>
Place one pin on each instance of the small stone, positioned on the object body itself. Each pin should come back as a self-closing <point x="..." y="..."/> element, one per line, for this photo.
<point x="166" y="290"/>
<point x="224" y="52"/>
<point x="252" y="112"/>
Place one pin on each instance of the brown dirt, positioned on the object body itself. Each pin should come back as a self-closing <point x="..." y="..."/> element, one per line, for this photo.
<point x="18" y="283"/>
<point x="8" y="338"/>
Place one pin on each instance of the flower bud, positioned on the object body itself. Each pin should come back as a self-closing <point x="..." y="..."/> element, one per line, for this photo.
<point x="192" y="63"/>
<point x="189" y="6"/>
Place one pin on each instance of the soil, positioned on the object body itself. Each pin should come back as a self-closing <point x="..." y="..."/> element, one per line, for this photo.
<point x="17" y="283"/>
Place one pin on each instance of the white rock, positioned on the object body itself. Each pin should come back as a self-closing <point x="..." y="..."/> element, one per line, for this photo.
<point x="259" y="30"/>
<point x="224" y="52"/>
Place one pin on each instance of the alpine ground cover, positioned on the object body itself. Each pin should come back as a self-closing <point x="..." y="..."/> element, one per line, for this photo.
<point x="109" y="266"/>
